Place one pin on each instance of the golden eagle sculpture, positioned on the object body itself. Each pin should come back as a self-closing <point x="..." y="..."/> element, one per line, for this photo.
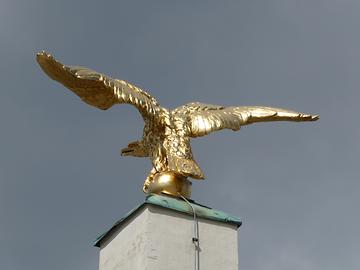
<point x="167" y="133"/>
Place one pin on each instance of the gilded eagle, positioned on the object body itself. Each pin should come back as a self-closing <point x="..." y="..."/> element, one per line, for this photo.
<point x="167" y="133"/>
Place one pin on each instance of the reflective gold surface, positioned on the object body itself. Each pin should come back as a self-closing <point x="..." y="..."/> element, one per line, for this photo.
<point x="169" y="183"/>
<point x="167" y="133"/>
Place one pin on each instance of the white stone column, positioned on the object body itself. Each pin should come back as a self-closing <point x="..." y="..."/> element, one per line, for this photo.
<point x="155" y="237"/>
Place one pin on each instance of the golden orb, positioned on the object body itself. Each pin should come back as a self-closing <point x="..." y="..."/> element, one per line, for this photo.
<point x="171" y="184"/>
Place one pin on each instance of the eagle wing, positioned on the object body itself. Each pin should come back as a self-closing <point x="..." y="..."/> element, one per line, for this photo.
<point x="97" y="89"/>
<point x="205" y="118"/>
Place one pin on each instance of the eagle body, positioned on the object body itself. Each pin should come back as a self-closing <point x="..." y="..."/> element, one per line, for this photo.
<point x="167" y="133"/>
<point x="166" y="142"/>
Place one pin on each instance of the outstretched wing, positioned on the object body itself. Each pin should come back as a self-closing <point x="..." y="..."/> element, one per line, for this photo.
<point x="206" y="118"/>
<point x="97" y="89"/>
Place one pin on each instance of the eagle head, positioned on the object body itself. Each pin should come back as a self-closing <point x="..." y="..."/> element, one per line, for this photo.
<point x="135" y="149"/>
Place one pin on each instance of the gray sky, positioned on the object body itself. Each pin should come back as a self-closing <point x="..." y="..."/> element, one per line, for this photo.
<point x="296" y="186"/>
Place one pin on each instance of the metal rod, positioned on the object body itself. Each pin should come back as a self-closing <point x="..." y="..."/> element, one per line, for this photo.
<point x="195" y="239"/>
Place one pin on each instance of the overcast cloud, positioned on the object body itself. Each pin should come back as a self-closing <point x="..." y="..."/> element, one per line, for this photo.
<point x="295" y="186"/>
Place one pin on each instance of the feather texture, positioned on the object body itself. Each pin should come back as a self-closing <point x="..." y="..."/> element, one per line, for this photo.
<point x="97" y="89"/>
<point x="205" y="118"/>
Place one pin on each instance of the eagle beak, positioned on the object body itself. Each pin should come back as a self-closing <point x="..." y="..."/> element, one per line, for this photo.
<point x="134" y="149"/>
<point x="126" y="151"/>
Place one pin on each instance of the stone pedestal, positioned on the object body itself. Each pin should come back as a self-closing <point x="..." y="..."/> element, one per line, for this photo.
<point x="158" y="235"/>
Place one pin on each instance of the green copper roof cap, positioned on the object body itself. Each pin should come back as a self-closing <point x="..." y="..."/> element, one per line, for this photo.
<point x="178" y="205"/>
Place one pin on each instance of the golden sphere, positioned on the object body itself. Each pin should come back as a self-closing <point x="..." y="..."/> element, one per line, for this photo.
<point x="171" y="184"/>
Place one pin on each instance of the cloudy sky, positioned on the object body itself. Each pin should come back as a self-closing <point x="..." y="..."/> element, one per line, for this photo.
<point x="295" y="186"/>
